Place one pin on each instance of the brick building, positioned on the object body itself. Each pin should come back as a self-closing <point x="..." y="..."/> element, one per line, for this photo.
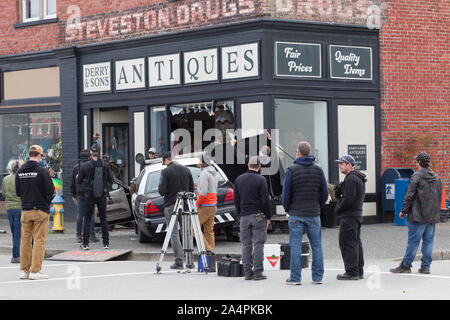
<point x="368" y="77"/>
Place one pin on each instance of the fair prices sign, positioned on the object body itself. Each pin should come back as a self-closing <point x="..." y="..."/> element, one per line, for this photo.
<point x="293" y="59"/>
<point x="97" y="77"/>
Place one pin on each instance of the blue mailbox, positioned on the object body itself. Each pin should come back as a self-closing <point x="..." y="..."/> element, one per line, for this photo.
<point x="401" y="186"/>
<point x="388" y="186"/>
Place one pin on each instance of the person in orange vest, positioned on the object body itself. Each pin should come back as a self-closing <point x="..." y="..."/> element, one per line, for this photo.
<point x="422" y="206"/>
<point x="207" y="201"/>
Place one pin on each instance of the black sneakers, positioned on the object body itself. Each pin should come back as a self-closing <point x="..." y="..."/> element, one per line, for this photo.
<point x="346" y="276"/>
<point x="401" y="269"/>
<point x="85" y="247"/>
<point x="177" y="266"/>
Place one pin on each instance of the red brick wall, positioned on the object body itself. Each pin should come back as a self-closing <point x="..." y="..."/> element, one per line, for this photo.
<point x="415" y="69"/>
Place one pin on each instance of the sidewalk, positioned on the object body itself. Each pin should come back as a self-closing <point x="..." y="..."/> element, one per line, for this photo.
<point x="380" y="241"/>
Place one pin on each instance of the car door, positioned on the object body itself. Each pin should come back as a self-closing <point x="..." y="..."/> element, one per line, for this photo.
<point x="118" y="204"/>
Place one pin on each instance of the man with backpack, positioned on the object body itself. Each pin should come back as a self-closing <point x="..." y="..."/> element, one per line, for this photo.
<point x="93" y="178"/>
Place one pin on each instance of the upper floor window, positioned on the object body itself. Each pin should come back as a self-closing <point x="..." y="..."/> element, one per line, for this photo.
<point x="34" y="10"/>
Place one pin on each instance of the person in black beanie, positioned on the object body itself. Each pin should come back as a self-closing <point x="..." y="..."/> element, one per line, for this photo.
<point x="79" y="197"/>
<point x="85" y="178"/>
<point x="350" y="207"/>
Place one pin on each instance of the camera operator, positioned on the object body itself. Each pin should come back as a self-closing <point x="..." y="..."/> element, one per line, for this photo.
<point x="174" y="178"/>
<point x="86" y="178"/>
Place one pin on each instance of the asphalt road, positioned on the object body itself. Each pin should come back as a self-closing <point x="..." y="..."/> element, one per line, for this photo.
<point x="124" y="280"/>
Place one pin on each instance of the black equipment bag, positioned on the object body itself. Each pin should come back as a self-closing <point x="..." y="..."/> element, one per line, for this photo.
<point x="286" y="256"/>
<point x="229" y="267"/>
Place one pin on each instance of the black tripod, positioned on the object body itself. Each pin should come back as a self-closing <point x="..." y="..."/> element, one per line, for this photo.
<point x="189" y="221"/>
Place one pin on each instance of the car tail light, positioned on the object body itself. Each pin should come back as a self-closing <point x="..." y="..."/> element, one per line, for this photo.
<point x="229" y="197"/>
<point x="151" y="208"/>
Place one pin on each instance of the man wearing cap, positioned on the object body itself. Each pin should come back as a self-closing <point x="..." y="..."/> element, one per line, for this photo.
<point x="152" y="153"/>
<point x="85" y="179"/>
<point x="422" y="206"/>
<point x="35" y="188"/>
<point x="349" y="207"/>
<point x="174" y="178"/>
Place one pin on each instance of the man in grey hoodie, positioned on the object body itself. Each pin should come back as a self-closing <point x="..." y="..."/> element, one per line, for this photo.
<point x="207" y="201"/>
<point x="422" y="205"/>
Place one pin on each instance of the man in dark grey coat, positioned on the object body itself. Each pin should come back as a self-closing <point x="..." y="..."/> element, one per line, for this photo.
<point x="422" y="205"/>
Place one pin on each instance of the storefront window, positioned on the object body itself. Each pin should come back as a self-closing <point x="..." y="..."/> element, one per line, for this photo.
<point x="299" y="120"/>
<point x="219" y="115"/>
<point x="158" y="136"/>
<point x="19" y="131"/>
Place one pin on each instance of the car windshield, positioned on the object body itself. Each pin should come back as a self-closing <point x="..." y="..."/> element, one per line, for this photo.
<point x="152" y="183"/>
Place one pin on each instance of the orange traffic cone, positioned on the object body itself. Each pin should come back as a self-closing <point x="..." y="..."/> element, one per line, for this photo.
<point x="443" y="206"/>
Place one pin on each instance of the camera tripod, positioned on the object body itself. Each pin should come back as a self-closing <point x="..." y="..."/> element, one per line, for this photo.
<point x="189" y="221"/>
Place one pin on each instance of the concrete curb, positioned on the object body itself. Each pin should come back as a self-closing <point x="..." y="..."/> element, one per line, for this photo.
<point x="132" y="256"/>
<point x="154" y="256"/>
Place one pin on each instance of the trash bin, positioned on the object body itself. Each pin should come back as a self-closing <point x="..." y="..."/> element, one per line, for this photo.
<point x="401" y="186"/>
<point x="388" y="187"/>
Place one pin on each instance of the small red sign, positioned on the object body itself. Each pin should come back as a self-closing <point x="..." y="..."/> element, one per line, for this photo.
<point x="273" y="260"/>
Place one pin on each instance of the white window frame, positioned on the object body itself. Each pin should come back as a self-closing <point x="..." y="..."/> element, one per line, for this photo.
<point x="50" y="16"/>
<point x="24" y="13"/>
<point x="43" y="5"/>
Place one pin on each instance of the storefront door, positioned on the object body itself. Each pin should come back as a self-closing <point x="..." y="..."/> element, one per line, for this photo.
<point x="115" y="147"/>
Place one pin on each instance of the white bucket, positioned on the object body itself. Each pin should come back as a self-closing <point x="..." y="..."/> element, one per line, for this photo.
<point x="272" y="257"/>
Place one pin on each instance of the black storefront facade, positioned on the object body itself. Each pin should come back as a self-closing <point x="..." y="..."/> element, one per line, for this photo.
<point x="312" y="81"/>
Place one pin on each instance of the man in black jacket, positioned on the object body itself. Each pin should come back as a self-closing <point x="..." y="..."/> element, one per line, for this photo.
<point x="252" y="202"/>
<point x="86" y="181"/>
<point x="305" y="192"/>
<point x="174" y="178"/>
<point x="422" y="205"/>
<point x="35" y="188"/>
<point x="79" y="197"/>
<point x="349" y="207"/>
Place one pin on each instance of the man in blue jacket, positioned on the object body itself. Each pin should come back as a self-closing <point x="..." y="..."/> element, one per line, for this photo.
<point x="305" y="191"/>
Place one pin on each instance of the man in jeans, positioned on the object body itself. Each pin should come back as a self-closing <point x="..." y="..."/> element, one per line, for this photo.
<point x="305" y="191"/>
<point x="350" y="207"/>
<point x="35" y="188"/>
<point x="252" y="201"/>
<point x="174" y="178"/>
<point x="422" y="205"/>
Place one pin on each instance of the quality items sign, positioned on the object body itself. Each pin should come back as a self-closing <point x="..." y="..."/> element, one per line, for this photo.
<point x="354" y="63"/>
<point x="297" y="60"/>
